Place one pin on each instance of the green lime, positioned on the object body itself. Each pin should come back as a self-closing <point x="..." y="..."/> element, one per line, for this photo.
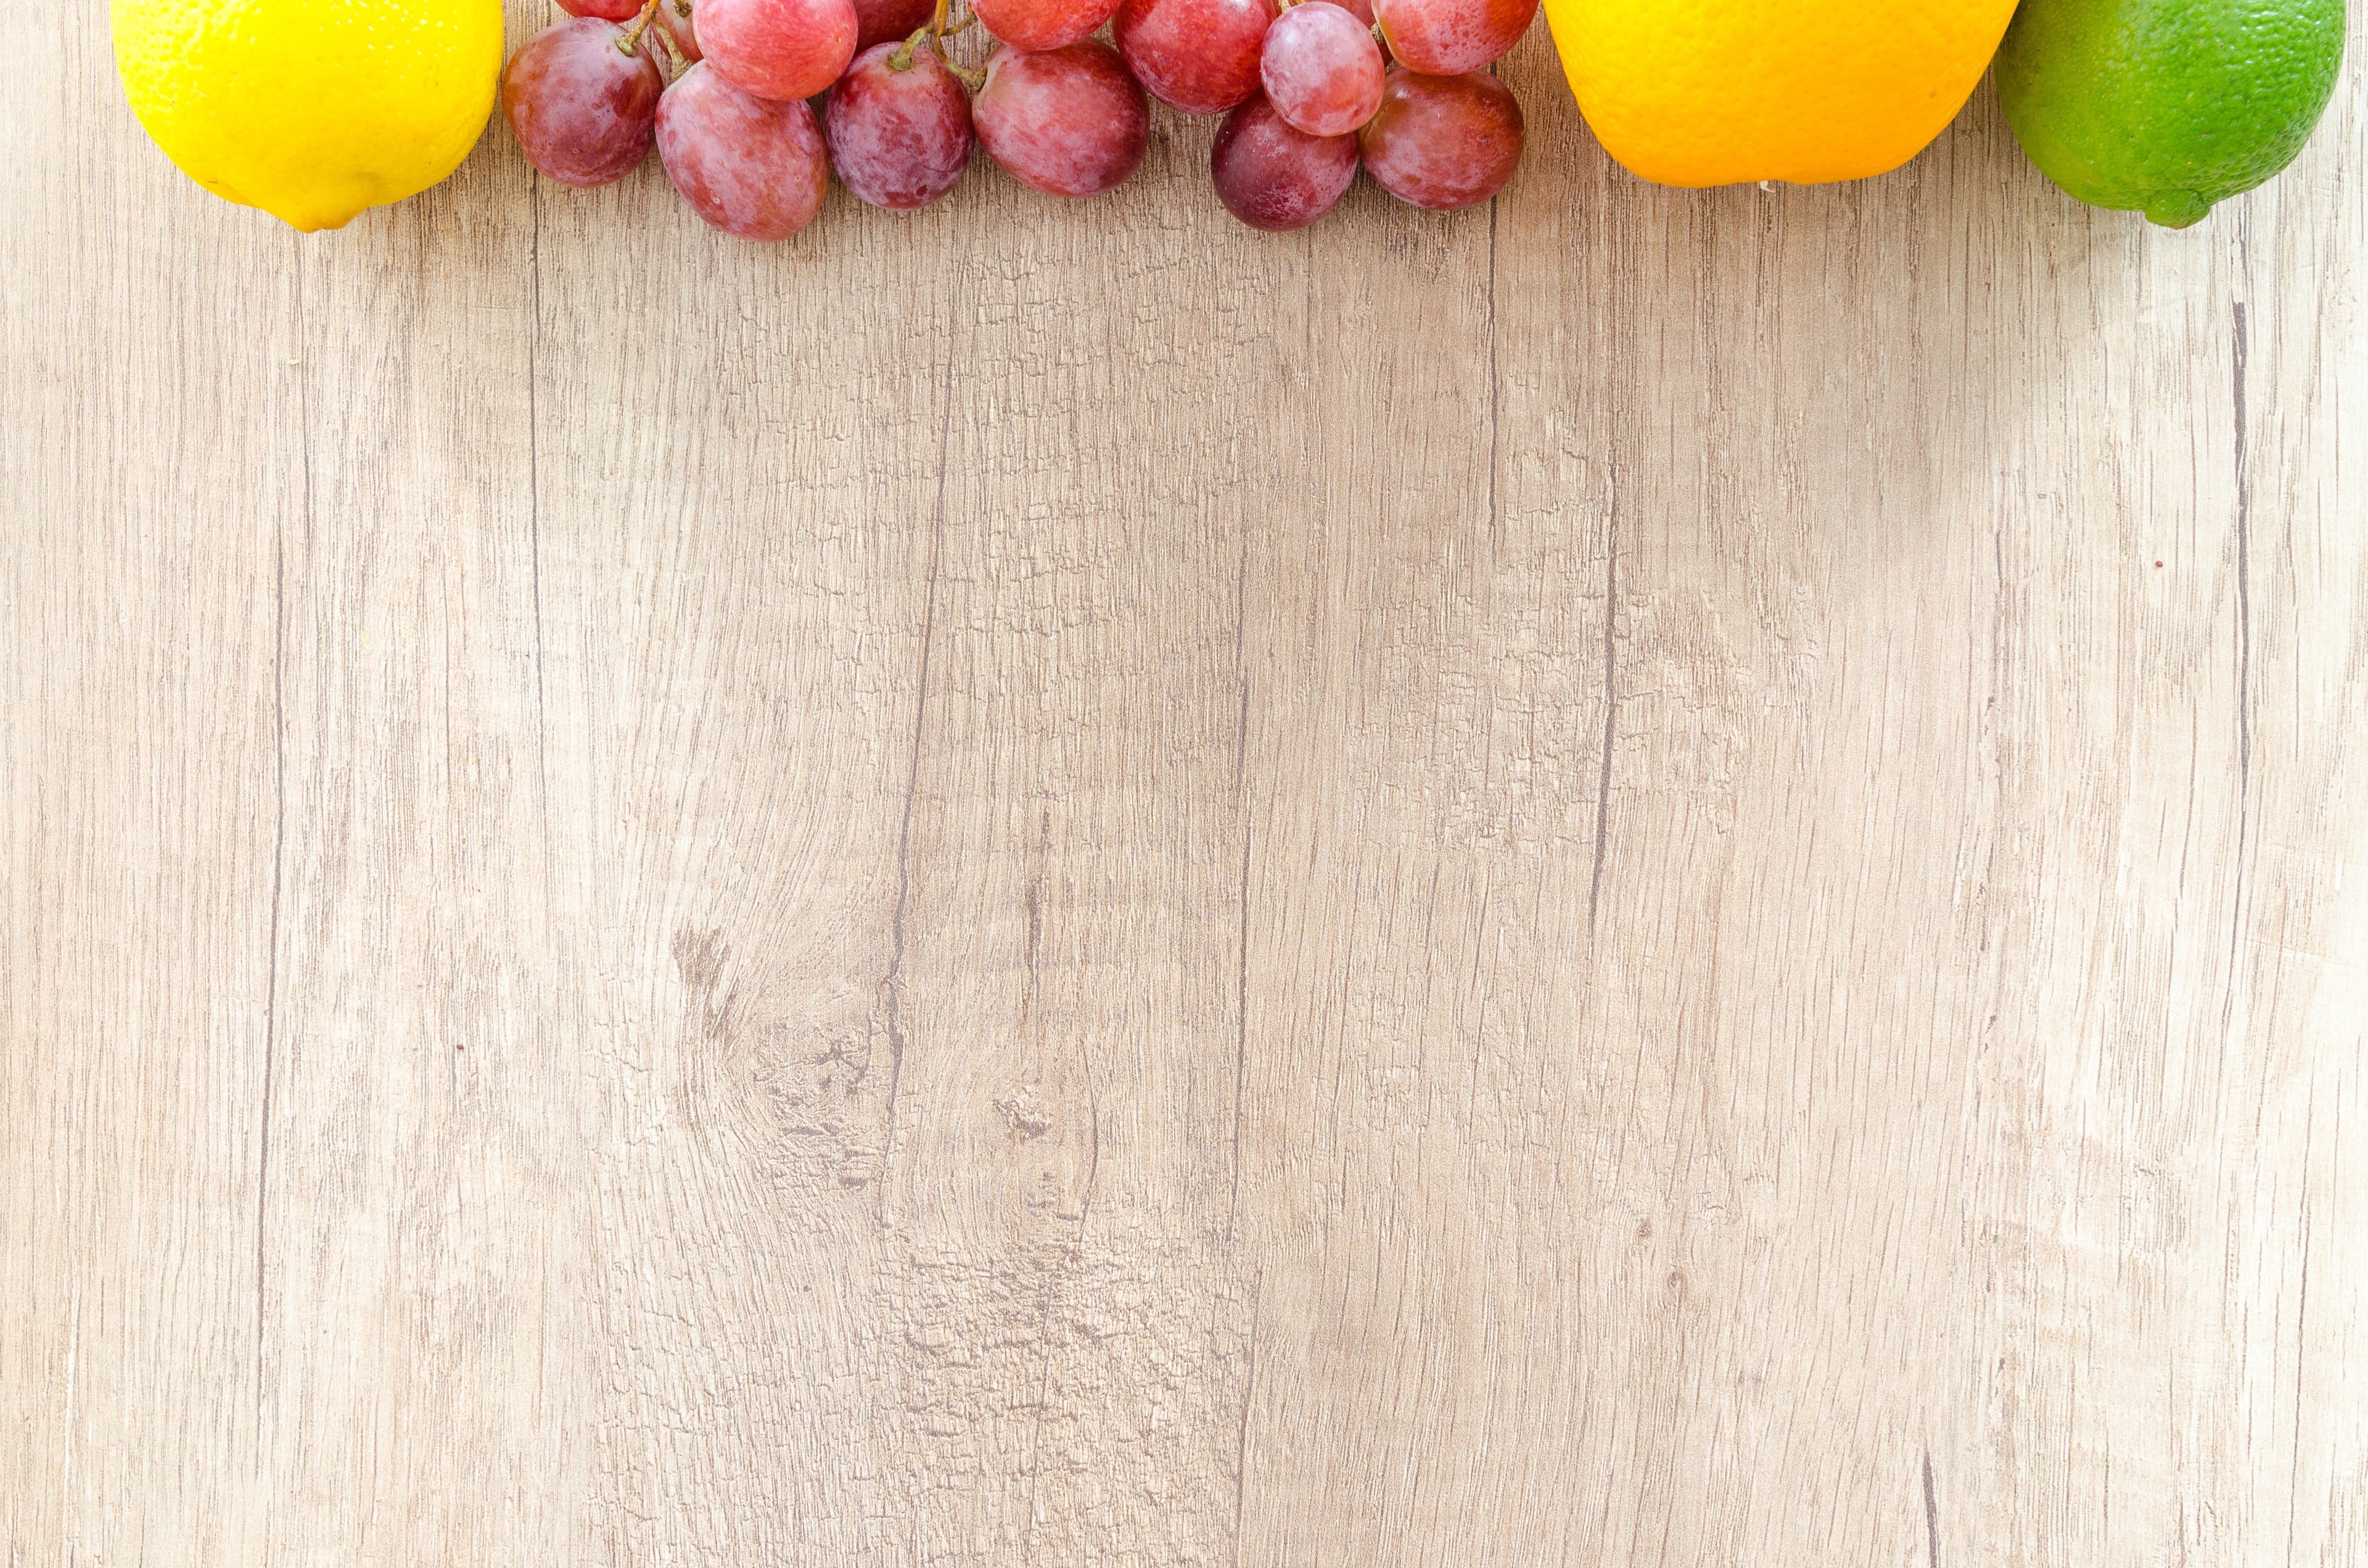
<point x="2165" y="106"/>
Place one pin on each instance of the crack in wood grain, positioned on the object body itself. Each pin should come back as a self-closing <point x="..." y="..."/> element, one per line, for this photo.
<point x="1610" y="707"/>
<point x="271" y="985"/>
<point x="1053" y="1273"/>
<point x="279" y="863"/>
<point x="1496" y="389"/>
<point x="2244" y="574"/>
<point x="2244" y="678"/>
<point x="1242" y="935"/>
<point x="1480" y="1001"/>
<point x="1931" y="1513"/>
<point x="1242" y="1440"/>
<point x="894" y="983"/>
<point x="2301" y="1318"/>
<point x="534" y="520"/>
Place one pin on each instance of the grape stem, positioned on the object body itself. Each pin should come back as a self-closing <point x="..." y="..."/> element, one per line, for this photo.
<point x="902" y="59"/>
<point x="631" y="42"/>
<point x="938" y="32"/>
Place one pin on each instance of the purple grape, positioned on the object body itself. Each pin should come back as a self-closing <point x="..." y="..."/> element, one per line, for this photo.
<point x="583" y="109"/>
<point x="1322" y="69"/>
<point x="899" y="138"/>
<point x="681" y="29"/>
<point x="778" y="49"/>
<point x="751" y="166"/>
<point x="1200" y="56"/>
<point x="1443" y="142"/>
<point x="1440" y="38"/>
<point x="877" y="21"/>
<point x="1274" y="176"/>
<point x="1067" y="121"/>
<point x="1042" y="24"/>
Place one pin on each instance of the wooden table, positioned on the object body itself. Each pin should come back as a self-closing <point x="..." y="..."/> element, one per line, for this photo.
<point x="1642" y="877"/>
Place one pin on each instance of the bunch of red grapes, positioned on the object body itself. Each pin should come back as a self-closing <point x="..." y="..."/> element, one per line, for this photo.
<point x="1310" y="92"/>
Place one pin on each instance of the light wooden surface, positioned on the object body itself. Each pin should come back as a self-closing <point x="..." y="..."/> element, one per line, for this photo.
<point x="1639" y="878"/>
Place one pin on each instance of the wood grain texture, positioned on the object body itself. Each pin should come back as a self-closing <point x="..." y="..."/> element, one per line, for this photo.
<point x="1640" y="877"/>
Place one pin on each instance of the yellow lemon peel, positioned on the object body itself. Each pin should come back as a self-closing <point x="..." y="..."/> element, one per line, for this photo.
<point x="311" y="109"/>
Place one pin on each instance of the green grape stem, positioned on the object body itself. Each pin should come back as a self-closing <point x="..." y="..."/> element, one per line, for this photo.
<point x="631" y="42"/>
<point x="934" y="32"/>
<point x="926" y="33"/>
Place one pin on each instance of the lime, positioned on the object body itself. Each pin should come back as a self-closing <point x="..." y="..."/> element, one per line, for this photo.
<point x="2166" y="107"/>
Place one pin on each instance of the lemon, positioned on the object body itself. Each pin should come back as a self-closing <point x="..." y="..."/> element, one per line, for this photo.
<point x="311" y="109"/>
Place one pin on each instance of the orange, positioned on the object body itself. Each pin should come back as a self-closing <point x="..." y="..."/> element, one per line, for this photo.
<point x="1712" y="92"/>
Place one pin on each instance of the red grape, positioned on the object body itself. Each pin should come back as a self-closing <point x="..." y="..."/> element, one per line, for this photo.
<point x="1200" y="56"/>
<point x="751" y="166"/>
<point x="1068" y="120"/>
<point x="1042" y="24"/>
<point x="1443" y="141"/>
<point x="1322" y="69"/>
<point x="607" y="10"/>
<point x="1360" y="9"/>
<point x="899" y="139"/>
<point x="1272" y="177"/>
<point x="778" y="49"/>
<point x="877" y="21"/>
<point x="681" y="29"/>
<point x="1441" y="38"/>
<point x="582" y="107"/>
